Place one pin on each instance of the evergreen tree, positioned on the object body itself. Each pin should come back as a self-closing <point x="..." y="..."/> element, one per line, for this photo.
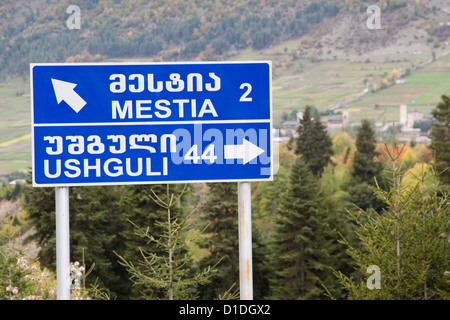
<point x="313" y="142"/>
<point x="95" y="226"/>
<point x="220" y="213"/>
<point x="304" y="127"/>
<point x="303" y="246"/>
<point x="168" y="268"/>
<point x="440" y="136"/>
<point x="365" y="169"/>
<point x="265" y="200"/>
<point x="407" y="243"/>
<point x="137" y="206"/>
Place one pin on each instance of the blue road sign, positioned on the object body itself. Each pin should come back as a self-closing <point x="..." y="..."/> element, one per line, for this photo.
<point x="116" y="123"/>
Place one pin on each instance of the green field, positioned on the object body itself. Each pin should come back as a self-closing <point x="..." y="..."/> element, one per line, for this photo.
<point x="15" y="131"/>
<point x="326" y="84"/>
<point x="331" y="83"/>
<point x="421" y="90"/>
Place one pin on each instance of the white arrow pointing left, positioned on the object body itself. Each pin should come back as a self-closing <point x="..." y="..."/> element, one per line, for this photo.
<point x="246" y="151"/>
<point x="65" y="91"/>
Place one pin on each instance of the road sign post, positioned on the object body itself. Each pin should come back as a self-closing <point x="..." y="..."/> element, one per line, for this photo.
<point x="126" y="123"/>
<point x="62" y="243"/>
<point x="245" y="241"/>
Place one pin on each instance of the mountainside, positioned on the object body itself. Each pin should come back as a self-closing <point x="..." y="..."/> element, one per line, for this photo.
<point x="210" y="30"/>
<point x="167" y="30"/>
<point x="323" y="52"/>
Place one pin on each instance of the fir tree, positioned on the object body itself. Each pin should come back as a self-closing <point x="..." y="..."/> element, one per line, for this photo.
<point x="440" y="135"/>
<point x="407" y="243"/>
<point x="95" y="231"/>
<point x="220" y="213"/>
<point x="265" y="200"/>
<point x="313" y="142"/>
<point x="365" y="170"/>
<point x="137" y="206"/>
<point x="303" y="244"/>
<point x="167" y="268"/>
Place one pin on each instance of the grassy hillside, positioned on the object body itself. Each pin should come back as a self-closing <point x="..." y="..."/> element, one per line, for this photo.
<point x="15" y="138"/>
<point x="421" y="90"/>
<point x="326" y="84"/>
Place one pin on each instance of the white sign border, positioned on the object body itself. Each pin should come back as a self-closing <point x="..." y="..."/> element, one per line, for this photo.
<point x="33" y="125"/>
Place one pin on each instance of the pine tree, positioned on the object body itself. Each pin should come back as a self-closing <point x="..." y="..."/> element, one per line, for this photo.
<point x="305" y="126"/>
<point x="407" y="243"/>
<point x="220" y="213"/>
<point x="265" y="200"/>
<point x="167" y="268"/>
<point x="440" y="136"/>
<point x="303" y="245"/>
<point x="365" y="170"/>
<point x="313" y="142"/>
<point x="137" y="206"/>
<point x="95" y="226"/>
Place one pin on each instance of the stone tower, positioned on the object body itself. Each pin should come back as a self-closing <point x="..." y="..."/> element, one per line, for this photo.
<point x="403" y="114"/>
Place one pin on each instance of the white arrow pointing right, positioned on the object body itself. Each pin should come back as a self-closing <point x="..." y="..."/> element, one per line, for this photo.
<point x="246" y="151"/>
<point x="65" y="91"/>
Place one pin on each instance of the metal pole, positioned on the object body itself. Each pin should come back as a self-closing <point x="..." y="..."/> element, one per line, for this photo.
<point x="245" y="241"/>
<point x="62" y="243"/>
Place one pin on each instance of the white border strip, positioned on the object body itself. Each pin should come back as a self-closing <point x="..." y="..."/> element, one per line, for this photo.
<point x="32" y="65"/>
<point x="86" y="184"/>
<point x="137" y="63"/>
<point x="73" y="124"/>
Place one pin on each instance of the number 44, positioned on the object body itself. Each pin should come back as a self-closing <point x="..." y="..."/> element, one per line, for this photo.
<point x="194" y="156"/>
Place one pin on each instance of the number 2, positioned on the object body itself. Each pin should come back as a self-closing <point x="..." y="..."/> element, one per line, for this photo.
<point x="244" y="97"/>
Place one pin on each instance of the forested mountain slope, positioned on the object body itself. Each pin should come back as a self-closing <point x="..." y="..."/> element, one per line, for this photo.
<point x="36" y="31"/>
<point x="174" y="29"/>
